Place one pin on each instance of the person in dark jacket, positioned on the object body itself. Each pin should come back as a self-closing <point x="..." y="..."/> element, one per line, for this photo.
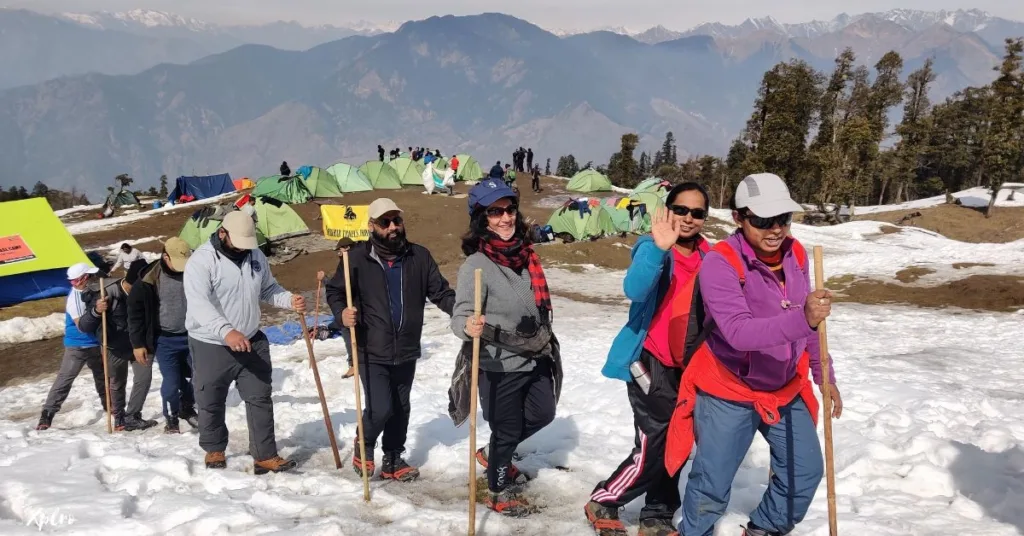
<point x="156" y="327"/>
<point x="535" y="183"/>
<point x="119" y="349"/>
<point x="497" y="172"/>
<point x="529" y="158"/>
<point x="391" y="281"/>
<point x="518" y="348"/>
<point x="285" y="170"/>
<point x="380" y="152"/>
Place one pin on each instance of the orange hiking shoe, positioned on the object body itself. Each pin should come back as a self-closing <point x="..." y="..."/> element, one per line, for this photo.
<point x="509" y="503"/>
<point x="515" y="476"/>
<point x="395" y="468"/>
<point x="604" y="520"/>
<point x="276" y="464"/>
<point x="216" y="460"/>
<point x="357" y="462"/>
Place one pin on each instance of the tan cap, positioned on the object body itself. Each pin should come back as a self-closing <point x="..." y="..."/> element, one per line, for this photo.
<point x="178" y="252"/>
<point x="381" y="207"/>
<point x="241" y="230"/>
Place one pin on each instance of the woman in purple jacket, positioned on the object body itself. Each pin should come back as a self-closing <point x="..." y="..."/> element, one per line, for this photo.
<point x="759" y="329"/>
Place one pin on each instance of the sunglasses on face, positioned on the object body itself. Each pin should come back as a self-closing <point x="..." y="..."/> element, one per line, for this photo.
<point x="384" y="223"/>
<point x="683" y="210"/>
<point x="764" y="224"/>
<point x="494" y="212"/>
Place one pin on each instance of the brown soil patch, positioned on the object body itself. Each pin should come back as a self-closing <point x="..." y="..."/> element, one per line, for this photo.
<point x="963" y="265"/>
<point x="34" y="309"/>
<point x="960" y="223"/>
<point x="912" y="274"/>
<point x="978" y="292"/>
<point x="890" y="229"/>
<point x="29" y="361"/>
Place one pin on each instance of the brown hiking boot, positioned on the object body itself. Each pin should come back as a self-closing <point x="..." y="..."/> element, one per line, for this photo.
<point x="276" y="464"/>
<point x="509" y="503"/>
<point x="656" y="527"/>
<point x="605" y="520"/>
<point x="351" y="372"/>
<point x="216" y="460"/>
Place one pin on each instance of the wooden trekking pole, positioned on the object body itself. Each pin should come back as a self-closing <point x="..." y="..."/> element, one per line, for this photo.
<point x="826" y="395"/>
<point x="355" y="365"/>
<point x="474" y="382"/>
<point x="103" y="349"/>
<point x="316" y="310"/>
<point x="320" y="390"/>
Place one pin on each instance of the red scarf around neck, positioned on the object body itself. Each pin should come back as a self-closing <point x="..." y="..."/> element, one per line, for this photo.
<point x="516" y="254"/>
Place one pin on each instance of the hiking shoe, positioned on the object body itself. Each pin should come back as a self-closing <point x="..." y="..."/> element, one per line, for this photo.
<point x="189" y="415"/>
<point x="351" y="372"/>
<point x="119" y="424"/>
<point x="45" y="420"/>
<point x="395" y="468"/>
<point x="753" y="530"/>
<point x="509" y="503"/>
<point x="130" y="423"/>
<point x="357" y="462"/>
<point x="276" y="464"/>
<point x="172" y="426"/>
<point x="653" y="526"/>
<point x="515" y="476"/>
<point x="216" y="460"/>
<point x="604" y="520"/>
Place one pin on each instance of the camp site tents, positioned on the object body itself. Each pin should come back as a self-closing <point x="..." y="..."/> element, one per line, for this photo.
<point x="243" y="184"/>
<point x="287" y="189"/>
<point x="274" y="221"/>
<point x="35" y="252"/>
<point x="630" y="221"/>
<point x="589" y="180"/>
<point x="202" y="187"/>
<point x="653" y="185"/>
<point x="583" y="221"/>
<point x="382" y="176"/>
<point x="123" y="198"/>
<point x="204" y="222"/>
<point x="469" y="169"/>
<point x="410" y="172"/>
<point x="349" y="178"/>
<point x="653" y="201"/>
<point x="319" y="182"/>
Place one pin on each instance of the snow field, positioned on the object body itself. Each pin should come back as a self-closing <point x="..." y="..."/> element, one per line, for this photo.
<point x="20" y="329"/>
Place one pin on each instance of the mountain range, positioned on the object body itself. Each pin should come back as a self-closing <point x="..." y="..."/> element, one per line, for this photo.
<point x="481" y="84"/>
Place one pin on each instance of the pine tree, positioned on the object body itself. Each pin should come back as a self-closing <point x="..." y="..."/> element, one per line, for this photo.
<point x="40" y="190"/>
<point x="623" y="168"/>
<point x="547" y="169"/>
<point x="668" y="151"/>
<point x="22" y="193"/>
<point x="1003" y="155"/>
<point x="567" y="166"/>
<point x="644" y="166"/>
<point x="163" y="193"/>
<point x="913" y="131"/>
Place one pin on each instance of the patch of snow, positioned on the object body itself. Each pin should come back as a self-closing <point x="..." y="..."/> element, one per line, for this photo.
<point x="972" y="197"/>
<point x="112" y="248"/>
<point x="20" y="329"/>
<point x="92" y="226"/>
<point x="77" y="208"/>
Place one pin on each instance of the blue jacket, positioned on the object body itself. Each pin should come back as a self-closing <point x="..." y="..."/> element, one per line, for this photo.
<point x="646" y="283"/>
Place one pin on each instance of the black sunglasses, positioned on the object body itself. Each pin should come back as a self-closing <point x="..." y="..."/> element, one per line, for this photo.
<point x="764" y="224"/>
<point x="384" y="223"/>
<point x="494" y="212"/>
<point x="683" y="210"/>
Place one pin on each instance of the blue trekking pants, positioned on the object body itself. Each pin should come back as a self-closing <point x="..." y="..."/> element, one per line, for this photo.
<point x="724" y="431"/>
<point x="172" y="356"/>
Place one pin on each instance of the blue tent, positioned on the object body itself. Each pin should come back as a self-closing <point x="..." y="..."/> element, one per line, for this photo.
<point x="202" y="187"/>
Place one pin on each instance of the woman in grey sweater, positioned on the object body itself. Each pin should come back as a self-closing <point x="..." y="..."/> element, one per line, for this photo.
<point x="520" y="372"/>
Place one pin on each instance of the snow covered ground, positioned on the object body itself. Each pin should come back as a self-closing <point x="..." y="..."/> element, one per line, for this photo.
<point x="972" y="197"/>
<point x="20" y="329"/>
<point x="91" y="226"/>
<point x="79" y="208"/>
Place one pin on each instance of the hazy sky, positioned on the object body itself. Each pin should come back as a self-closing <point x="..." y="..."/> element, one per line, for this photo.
<point x="582" y="14"/>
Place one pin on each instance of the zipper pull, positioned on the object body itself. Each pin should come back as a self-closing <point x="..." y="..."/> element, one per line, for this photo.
<point x="786" y="304"/>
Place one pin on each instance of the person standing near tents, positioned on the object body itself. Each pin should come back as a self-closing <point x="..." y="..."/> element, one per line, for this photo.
<point x="119" y="349"/>
<point x="497" y="172"/>
<point x="225" y="281"/>
<point x="126" y="256"/>
<point x="391" y="279"/>
<point x="751" y="374"/>
<point x="80" y="348"/>
<point x="156" y="328"/>
<point x="380" y="152"/>
<point x="519" y="356"/>
<point x="535" y="183"/>
<point x="285" y="170"/>
<point x="529" y="158"/>
<point x="665" y="314"/>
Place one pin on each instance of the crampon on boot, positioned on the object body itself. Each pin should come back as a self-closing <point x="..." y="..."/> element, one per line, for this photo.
<point x="45" y="420"/>
<point x="604" y="520"/>
<point x="357" y="462"/>
<point x="395" y="468"/>
<point x="656" y="527"/>
<point x="515" y="476"/>
<point x="509" y="503"/>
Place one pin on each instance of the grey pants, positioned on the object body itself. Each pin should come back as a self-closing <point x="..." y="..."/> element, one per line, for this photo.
<point x="142" y="378"/>
<point x="214" y="368"/>
<point x="70" y="367"/>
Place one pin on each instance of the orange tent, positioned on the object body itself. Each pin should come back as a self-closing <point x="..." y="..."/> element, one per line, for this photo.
<point x="243" y="184"/>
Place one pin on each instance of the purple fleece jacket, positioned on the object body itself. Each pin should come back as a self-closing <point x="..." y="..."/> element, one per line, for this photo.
<point x="755" y="336"/>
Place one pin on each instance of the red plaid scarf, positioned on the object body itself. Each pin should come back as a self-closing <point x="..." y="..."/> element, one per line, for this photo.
<point x="516" y="254"/>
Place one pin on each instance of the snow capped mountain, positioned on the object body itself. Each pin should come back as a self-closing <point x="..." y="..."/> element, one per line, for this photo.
<point x="137" y="18"/>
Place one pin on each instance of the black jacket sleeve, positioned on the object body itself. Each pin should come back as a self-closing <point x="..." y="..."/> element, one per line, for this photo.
<point x="90" y="321"/>
<point x="439" y="291"/>
<point x="138" y="322"/>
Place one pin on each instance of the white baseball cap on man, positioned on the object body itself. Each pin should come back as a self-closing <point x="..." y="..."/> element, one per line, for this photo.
<point x="76" y="271"/>
<point x="766" y="195"/>
<point x="381" y="207"/>
<point x="241" y="230"/>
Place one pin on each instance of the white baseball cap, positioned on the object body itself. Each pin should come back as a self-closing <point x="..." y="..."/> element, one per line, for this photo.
<point x="766" y="195"/>
<point x="76" y="271"/>
<point x="241" y="230"/>
<point x="381" y="207"/>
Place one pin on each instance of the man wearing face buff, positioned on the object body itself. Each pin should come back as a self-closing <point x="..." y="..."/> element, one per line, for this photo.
<point x="225" y="280"/>
<point x="392" y="279"/>
<point x="520" y="371"/>
<point x="751" y="373"/>
<point x="649" y="355"/>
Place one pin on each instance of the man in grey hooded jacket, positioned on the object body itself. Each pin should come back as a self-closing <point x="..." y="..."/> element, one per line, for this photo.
<point x="225" y="281"/>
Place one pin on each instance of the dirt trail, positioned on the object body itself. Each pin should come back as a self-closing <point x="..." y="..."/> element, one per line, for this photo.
<point x="960" y="223"/>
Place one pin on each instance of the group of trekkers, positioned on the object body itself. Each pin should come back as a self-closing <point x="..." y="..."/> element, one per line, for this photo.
<point x="720" y="344"/>
<point x="522" y="159"/>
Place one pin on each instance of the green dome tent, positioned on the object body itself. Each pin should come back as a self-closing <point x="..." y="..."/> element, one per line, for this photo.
<point x="653" y="185"/>
<point x="284" y="189"/>
<point x="589" y="180"/>
<point x="652" y="200"/>
<point x="469" y="169"/>
<point x="382" y="176"/>
<point x="321" y="183"/>
<point x="593" y="222"/>
<point x="410" y="172"/>
<point x="276" y="220"/>
<point x="350" y="179"/>
<point x="205" y="221"/>
<point x="440" y="163"/>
